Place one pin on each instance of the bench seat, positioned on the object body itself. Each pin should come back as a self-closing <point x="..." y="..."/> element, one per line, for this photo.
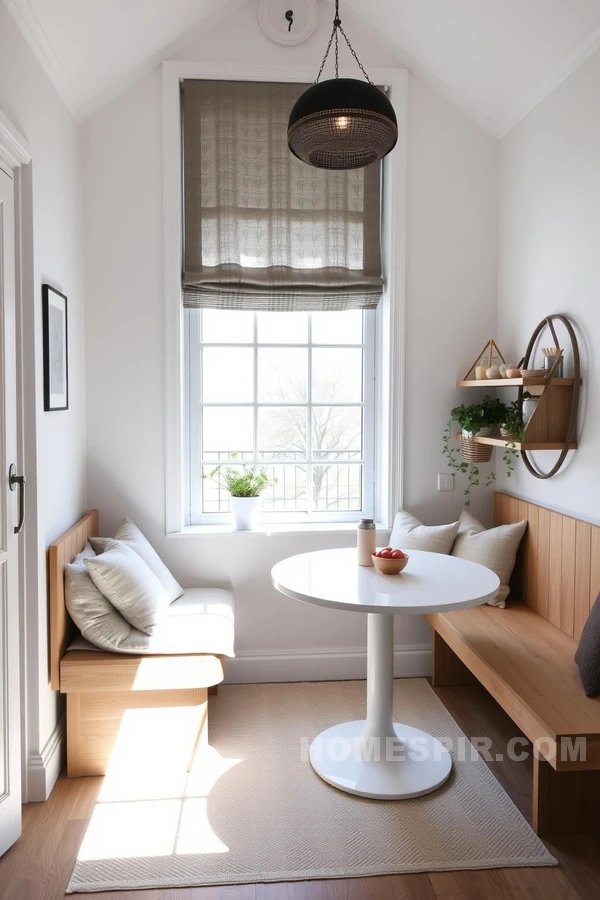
<point x="145" y="691"/>
<point x="528" y="665"/>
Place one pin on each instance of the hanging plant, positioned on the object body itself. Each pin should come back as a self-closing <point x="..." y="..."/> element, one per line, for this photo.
<point x="482" y="418"/>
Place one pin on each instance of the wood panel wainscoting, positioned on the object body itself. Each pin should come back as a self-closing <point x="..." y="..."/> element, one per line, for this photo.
<point x="524" y="657"/>
<point x="104" y="688"/>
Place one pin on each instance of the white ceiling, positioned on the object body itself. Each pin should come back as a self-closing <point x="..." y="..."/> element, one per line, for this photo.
<point x="495" y="58"/>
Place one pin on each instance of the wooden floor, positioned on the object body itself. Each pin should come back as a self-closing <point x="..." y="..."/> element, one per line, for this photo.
<point x="39" y="865"/>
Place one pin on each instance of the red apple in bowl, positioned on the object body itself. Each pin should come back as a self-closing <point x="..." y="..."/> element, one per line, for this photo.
<point x="390" y="561"/>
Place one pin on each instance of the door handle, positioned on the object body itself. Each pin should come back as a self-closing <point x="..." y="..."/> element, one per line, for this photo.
<point x="13" y="481"/>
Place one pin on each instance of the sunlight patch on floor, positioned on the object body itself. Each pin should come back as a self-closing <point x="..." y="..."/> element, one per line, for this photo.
<point x="154" y="798"/>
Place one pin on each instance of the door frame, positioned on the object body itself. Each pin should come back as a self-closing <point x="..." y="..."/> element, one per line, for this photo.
<point x="16" y="153"/>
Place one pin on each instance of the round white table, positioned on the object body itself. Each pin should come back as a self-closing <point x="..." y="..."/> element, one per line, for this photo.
<point x="378" y="757"/>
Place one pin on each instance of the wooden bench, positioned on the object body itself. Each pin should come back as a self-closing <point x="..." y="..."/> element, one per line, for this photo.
<point x="524" y="657"/>
<point x="101" y="687"/>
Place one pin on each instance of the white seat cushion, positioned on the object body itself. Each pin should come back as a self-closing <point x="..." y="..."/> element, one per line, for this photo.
<point x="200" y="621"/>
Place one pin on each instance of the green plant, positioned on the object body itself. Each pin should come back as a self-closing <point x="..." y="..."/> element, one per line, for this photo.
<point x="479" y="415"/>
<point x="240" y="481"/>
<point x="490" y="413"/>
<point x="512" y="424"/>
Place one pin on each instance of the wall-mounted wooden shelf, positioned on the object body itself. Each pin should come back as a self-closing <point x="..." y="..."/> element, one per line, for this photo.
<point x="496" y="440"/>
<point x="552" y="424"/>
<point x="515" y="382"/>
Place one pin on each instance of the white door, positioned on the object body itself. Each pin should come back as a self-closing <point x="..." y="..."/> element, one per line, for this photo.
<point x="10" y="725"/>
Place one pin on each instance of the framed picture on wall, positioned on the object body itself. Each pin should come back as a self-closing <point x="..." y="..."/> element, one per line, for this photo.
<point x="56" y="356"/>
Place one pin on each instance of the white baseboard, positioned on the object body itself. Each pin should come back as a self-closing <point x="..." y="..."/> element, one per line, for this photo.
<point x="252" y="667"/>
<point x="44" y="768"/>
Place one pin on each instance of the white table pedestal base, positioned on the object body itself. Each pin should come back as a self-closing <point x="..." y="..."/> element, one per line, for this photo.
<point x="413" y="764"/>
<point x="379" y="758"/>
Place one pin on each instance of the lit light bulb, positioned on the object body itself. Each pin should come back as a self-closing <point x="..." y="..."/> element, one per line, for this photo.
<point x="342" y="122"/>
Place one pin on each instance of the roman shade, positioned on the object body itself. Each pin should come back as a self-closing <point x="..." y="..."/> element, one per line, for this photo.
<point x="262" y="230"/>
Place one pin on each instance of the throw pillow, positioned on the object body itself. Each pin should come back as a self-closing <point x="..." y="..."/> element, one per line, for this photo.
<point x="587" y="656"/>
<point x="410" y="534"/>
<point x="94" y="615"/>
<point x="131" y="535"/>
<point x="495" y="548"/>
<point x="123" y="577"/>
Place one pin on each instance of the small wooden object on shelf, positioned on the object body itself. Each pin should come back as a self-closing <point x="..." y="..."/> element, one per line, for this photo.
<point x="488" y="351"/>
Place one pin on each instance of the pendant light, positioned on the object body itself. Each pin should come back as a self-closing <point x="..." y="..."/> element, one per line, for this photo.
<point x="342" y="123"/>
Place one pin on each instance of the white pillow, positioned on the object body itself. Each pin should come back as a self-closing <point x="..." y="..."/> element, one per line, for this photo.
<point x="410" y="534"/>
<point x="131" y="535"/>
<point x="123" y="577"/>
<point x="495" y="548"/>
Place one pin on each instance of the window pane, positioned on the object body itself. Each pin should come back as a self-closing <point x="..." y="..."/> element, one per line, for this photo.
<point x="337" y="376"/>
<point x="282" y="375"/>
<point x="227" y="326"/>
<point x="282" y="432"/>
<point x="337" y="487"/>
<point x="337" y="327"/>
<point x="282" y="327"/>
<point x="227" y="430"/>
<point x="215" y="499"/>
<point x="336" y="432"/>
<point x="289" y="493"/>
<point x="228" y="375"/>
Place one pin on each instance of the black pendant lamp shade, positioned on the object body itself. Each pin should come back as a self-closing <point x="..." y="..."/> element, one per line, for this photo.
<point x="342" y="123"/>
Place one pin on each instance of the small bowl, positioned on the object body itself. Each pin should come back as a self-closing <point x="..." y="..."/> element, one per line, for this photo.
<point x="389" y="566"/>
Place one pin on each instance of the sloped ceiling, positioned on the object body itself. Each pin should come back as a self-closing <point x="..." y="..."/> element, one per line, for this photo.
<point x="496" y="58"/>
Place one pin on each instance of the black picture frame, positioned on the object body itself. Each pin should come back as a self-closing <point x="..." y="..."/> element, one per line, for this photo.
<point x="56" y="349"/>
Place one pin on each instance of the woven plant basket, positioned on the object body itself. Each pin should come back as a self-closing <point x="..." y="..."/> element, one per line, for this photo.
<point x="471" y="451"/>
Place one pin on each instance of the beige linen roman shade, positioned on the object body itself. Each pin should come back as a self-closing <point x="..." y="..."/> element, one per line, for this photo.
<point x="262" y="230"/>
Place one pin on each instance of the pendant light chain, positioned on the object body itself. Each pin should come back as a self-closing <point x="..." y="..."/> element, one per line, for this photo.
<point x="337" y="27"/>
<point x="353" y="52"/>
<point x="342" y="123"/>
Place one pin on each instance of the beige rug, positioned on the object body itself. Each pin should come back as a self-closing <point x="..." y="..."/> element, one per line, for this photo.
<point x="255" y="811"/>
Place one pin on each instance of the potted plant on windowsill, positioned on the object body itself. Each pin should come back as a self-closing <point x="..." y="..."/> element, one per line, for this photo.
<point x="245" y="487"/>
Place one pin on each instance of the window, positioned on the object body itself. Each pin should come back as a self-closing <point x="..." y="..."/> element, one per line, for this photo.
<point x="281" y="279"/>
<point x="292" y="392"/>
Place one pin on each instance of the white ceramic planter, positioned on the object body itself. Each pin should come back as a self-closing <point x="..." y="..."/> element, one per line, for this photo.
<point x="245" y="512"/>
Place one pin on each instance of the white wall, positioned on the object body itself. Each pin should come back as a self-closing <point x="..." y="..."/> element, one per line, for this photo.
<point x="452" y="217"/>
<point x="548" y="262"/>
<point x="55" y="442"/>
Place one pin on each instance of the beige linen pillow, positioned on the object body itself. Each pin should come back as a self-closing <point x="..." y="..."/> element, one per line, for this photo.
<point x="131" y="535"/>
<point x="410" y="534"/>
<point x="94" y="615"/>
<point x="123" y="577"/>
<point x="495" y="548"/>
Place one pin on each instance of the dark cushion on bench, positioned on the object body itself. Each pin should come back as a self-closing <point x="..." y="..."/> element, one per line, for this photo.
<point x="587" y="656"/>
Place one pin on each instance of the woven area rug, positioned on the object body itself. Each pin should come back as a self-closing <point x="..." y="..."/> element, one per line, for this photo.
<point x="253" y="810"/>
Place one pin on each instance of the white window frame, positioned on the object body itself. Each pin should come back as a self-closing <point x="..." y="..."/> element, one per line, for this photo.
<point x="193" y="436"/>
<point x="389" y="401"/>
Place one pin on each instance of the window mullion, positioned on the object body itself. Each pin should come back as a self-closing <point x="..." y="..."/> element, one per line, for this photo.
<point x="309" y="448"/>
<point x="255" y="390"/>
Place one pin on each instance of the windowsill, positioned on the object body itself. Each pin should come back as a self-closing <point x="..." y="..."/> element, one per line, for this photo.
<point x="268" y="529"/>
